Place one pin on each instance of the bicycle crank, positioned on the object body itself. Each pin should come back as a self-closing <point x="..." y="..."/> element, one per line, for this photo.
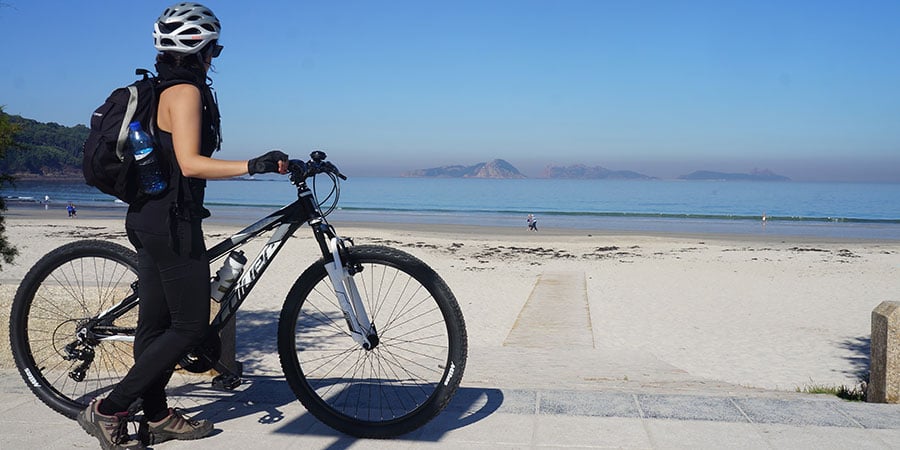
<point x="203" y="357"/>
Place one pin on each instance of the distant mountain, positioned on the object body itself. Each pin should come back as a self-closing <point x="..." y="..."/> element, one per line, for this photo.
<point x="755" y="175"/>
<point x="497" y="168"/>
<point x="580" y="171"/>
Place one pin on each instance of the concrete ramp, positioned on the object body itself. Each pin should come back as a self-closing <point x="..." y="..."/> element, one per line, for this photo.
<point x="556" y="315"/>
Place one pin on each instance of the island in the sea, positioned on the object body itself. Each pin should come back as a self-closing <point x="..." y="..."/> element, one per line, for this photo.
<point x="501" y="169"/>
<point x="497" y="168"/>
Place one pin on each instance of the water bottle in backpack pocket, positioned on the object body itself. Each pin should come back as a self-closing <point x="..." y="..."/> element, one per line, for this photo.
<point x="148" y="168"/>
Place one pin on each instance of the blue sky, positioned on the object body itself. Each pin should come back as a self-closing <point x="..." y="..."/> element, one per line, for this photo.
<point x="808" y="89"/>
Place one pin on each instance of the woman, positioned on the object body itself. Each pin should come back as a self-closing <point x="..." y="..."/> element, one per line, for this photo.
<point x="173" y="265"/>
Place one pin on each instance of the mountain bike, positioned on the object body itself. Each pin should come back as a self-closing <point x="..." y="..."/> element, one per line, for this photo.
<point x="371" y="340"/>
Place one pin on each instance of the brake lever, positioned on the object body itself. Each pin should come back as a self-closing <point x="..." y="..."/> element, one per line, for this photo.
<point x="333" y="169"/>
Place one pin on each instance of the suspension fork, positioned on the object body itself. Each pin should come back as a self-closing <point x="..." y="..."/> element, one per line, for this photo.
<point x="362" y="330"/>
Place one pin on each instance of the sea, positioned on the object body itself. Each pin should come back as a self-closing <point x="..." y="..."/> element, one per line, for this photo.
<point x="820" y="209"/>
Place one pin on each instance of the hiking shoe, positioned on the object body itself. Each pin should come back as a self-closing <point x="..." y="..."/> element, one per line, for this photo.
<point x="174" y="426"/>
<point x="111" y="431"/>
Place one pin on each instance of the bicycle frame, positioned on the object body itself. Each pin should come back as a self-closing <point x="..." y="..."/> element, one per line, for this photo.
<point x="285" y="221"/>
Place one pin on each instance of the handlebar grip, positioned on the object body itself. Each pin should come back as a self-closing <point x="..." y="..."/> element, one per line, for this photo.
<point x="296" y="166"/>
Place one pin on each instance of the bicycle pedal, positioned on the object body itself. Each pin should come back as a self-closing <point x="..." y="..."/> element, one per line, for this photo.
<point x="226" y="382"/>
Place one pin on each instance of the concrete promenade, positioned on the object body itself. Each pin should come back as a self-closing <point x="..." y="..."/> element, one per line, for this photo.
<point x="262" y="413"/>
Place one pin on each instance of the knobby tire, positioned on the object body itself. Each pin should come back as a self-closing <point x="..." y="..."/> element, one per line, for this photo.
<point x="407" y="379"/>
<point x="71" y="284"/>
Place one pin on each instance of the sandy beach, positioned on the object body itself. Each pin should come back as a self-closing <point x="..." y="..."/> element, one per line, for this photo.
<point x="703" y="312"/>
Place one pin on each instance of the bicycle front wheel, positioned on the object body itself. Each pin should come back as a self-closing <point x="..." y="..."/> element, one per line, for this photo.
<point x="58" y="296"/>
<point x="405" y="380"/>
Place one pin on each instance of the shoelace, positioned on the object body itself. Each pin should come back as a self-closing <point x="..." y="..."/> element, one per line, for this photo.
<point x="180" y="416"/>
<point x="121" y="434"/>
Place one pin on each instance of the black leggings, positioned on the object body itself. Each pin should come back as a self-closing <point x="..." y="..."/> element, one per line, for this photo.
<point x="173" y="317"/>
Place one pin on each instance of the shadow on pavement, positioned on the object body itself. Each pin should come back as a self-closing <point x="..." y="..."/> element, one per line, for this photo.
<point x="266" y="397"/>
<point x="468" y="406"/>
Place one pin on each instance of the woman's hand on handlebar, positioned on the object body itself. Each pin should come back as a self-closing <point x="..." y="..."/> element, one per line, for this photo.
<point x="273" y="161"/>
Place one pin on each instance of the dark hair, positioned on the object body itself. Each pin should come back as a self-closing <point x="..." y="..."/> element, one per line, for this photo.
<point x="188" y="61"/>
<point x="189" y="66"/>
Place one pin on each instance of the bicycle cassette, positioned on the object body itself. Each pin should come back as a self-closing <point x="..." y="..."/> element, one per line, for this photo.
<point x="203" y="357"/>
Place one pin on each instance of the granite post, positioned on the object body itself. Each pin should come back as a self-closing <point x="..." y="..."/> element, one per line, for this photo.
<point x="884" y="375"/>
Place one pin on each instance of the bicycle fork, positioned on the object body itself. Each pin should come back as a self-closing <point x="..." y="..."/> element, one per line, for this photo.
<point x="361" y="329"/>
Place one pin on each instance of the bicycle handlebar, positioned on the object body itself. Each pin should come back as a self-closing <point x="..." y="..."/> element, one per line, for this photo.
<point x="301" y="170"/>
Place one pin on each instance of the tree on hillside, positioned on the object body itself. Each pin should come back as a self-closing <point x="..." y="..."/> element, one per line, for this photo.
<point x="47" y="149"/>
<point x="7" y="130"/>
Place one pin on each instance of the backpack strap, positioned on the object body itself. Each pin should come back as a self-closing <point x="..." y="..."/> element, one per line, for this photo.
<point x="130" y="109"/>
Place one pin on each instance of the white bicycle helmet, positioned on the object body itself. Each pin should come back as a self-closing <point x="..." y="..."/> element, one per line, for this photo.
<point x="185" y="28"/>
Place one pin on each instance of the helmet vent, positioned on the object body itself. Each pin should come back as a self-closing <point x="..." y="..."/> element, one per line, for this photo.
<point x="169" y="27"/>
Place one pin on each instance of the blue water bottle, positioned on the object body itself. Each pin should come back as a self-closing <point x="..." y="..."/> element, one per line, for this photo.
<point x="152" y="181"/>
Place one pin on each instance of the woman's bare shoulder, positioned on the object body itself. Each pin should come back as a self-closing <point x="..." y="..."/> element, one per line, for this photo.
<point x="182" y="94"/>
<point x="181" y="88"/>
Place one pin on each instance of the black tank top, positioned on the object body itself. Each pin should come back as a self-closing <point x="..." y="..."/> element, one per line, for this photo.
<point x="184" y="198"/>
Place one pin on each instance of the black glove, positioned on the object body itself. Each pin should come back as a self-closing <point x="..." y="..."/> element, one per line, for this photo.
<point x="266" y="163"/>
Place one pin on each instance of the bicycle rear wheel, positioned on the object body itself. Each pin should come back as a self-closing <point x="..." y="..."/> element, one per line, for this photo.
<point x="407" y="379"/>
<point x="65" y="289"/>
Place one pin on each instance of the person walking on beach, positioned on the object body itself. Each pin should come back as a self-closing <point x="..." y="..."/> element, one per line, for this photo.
<point x="532" y="222"/>
<point x="173" y="266"/>
<point x="70" y="208"/>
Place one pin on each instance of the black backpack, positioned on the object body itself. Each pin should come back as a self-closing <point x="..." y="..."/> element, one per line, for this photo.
<point x="108" y="161"/>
